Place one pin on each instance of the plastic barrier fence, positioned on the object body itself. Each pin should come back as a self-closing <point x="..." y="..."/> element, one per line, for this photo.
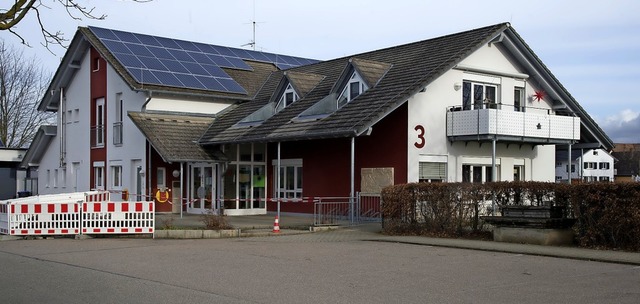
<point x="118" y="217"/>
<point x="75" y="213"/>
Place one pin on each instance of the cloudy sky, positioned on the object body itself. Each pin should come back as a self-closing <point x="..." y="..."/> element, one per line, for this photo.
<point x="592" y="47"/>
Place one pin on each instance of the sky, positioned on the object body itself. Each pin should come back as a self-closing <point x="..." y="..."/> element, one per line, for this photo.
<point x="592" y="47"/>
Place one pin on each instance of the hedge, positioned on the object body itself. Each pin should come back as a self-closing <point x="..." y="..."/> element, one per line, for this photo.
<point x="607" y="214"/>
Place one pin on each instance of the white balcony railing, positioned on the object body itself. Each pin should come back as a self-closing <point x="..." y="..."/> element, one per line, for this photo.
<point x="533" y="125"/>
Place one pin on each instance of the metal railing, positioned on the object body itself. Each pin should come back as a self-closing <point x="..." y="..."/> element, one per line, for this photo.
<point x="97" y="136"/>
<point x="504" y="119"/>
<point x="117" y="133"/>
<point x="365" y="207"/>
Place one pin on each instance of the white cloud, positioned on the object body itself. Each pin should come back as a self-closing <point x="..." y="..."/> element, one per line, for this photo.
<point x="623" y="127"/>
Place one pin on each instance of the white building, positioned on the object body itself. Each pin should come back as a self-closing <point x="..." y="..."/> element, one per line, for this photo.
<point x="592" y="165"/>
<point x="213" y="125"/>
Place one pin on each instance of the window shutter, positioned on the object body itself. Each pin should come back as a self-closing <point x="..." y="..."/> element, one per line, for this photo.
<point x="433" y="171"/>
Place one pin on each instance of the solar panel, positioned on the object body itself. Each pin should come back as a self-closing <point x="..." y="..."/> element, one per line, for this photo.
<point x="180" y="63"/>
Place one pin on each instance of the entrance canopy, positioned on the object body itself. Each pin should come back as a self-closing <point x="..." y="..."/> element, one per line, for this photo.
<point x="175" y="137"/>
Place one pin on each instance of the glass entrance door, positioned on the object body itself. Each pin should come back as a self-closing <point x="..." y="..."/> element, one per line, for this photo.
<point x="202" y="187"/>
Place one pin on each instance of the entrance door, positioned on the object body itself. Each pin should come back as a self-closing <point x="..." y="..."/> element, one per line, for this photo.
<point x="202" y="188"/>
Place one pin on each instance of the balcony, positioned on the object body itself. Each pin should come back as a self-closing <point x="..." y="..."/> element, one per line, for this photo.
<point x="97" y="136"/>
<point x="503" y="123"/>
<point x="117" y="133"/>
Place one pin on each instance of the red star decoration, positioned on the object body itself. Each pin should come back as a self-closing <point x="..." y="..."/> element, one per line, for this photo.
<point x="539" y="95"/>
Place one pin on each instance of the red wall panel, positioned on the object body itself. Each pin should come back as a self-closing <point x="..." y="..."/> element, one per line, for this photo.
<point x="327" y="162"/>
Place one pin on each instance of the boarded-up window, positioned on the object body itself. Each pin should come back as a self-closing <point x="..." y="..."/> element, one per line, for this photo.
<point x="432" y="172"/>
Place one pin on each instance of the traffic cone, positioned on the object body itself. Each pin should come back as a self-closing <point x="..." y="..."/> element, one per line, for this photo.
<point x="276" y="225"/>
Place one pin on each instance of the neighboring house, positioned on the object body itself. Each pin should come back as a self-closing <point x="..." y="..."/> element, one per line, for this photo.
<point x="627" y="168"/>
<point x="594" y="165"/>
<point x="11" y="176"/>
<point x="474" y="106"/>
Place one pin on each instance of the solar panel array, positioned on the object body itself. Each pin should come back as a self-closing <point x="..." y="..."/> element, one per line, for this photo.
<point x="178" y="63"/>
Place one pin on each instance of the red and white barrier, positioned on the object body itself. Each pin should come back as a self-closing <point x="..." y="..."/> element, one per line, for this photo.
<point x="118" y="217"/>
<point x="75" y="213"/>
<point x="44" y="219"/>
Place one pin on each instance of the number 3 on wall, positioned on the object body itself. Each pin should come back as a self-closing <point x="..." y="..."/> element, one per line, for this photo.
<point x="421" y="141"/>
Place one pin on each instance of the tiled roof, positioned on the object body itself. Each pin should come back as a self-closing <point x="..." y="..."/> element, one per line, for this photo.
<point x="303" y="83"/>
<point x="404" y="69"/>
<point x="175" y="136"/>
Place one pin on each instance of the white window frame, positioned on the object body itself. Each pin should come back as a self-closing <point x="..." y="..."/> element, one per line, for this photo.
<point x="282" y="102"/>
<point x="98" y="128"/>
<point x="297" y="190"/>
<point x="161" y="178"/>
<point x="98" y="175"/>
<point x="118" y="123"/>
<point x="346" y="95"/>
<point x="116" y="177"/>
<point x="424" y="177"/>
<point x="486" y="103"/>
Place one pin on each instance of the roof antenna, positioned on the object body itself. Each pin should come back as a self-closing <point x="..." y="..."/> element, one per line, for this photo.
<point x="253" y="22"/>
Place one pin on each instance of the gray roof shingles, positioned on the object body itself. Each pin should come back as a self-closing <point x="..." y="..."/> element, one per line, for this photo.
<point x="409" y="68"/>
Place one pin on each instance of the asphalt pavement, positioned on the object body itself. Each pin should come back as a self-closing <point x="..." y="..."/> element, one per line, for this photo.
<point x="262" y="225"/>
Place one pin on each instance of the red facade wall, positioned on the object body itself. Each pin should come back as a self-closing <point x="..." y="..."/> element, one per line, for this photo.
<point x="327" y="163"/>
<point x="156" y="161"/>
<point x="98" y="83"/>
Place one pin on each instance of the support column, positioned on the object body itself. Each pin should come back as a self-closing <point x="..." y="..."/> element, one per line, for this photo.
<point x="352" y="181"/>
<point x="493" y="173"/>
<point x="569" y="167"/>
<point x="181" y="187"/>
<point x="278" y="182"/>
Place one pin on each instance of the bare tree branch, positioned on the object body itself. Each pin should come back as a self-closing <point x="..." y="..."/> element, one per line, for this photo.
<point x="22" y="83"/>
<point x="15" y="14"/>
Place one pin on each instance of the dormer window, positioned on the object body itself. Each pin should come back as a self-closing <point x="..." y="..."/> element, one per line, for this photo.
<point x="352" y="89"/>
<point x="288" y="97"/>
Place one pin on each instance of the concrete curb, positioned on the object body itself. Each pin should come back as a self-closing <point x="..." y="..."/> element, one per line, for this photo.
<point x="607" y="256"/>
<point x="196" y="234"/>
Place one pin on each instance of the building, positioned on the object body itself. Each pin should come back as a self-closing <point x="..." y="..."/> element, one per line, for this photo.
<point x="11" y="176"/>
<point x="594" y="165"/>
<point x="474" y="106"/>
<point x="627" y="168"/>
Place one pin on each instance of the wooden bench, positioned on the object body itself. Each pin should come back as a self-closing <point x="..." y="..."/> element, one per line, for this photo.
<point x="543" y="225"/>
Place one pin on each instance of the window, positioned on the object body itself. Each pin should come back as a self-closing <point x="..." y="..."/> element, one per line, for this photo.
<point x="479" y="173"/>
<point x="289" y="96"/>
<point x="352" y="89"/>
<point x="116" y="177"/>
<point x="48" y="178"/>
<point x="97" y="130"/>
<point x="604" y="166"/>
<point x="430" y="172"/>
<point x="518" y="173"/>
<point x="161" y="178"/>
<point x="117" y="125"/>
<point x="290" y="179"/>
<point x="590" y="165"/>
<point x="604" y="178"/>
<point x="55" y="178"/>
<point x="63" y="178"/>
<point x="518" y="99"/>
<point x="573" y="168"/>
<point x="482" y="95"/>
<point x="98" y="177"/>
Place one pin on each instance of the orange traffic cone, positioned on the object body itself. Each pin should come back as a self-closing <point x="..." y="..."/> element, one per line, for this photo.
<point x="276" y="225"/>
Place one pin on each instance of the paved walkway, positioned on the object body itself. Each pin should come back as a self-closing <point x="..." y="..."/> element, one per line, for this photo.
<point x="295" y="228"/>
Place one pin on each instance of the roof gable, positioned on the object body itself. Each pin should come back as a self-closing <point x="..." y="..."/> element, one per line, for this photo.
<point x="174" y="137"/>
<point x="399" y="72"/>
